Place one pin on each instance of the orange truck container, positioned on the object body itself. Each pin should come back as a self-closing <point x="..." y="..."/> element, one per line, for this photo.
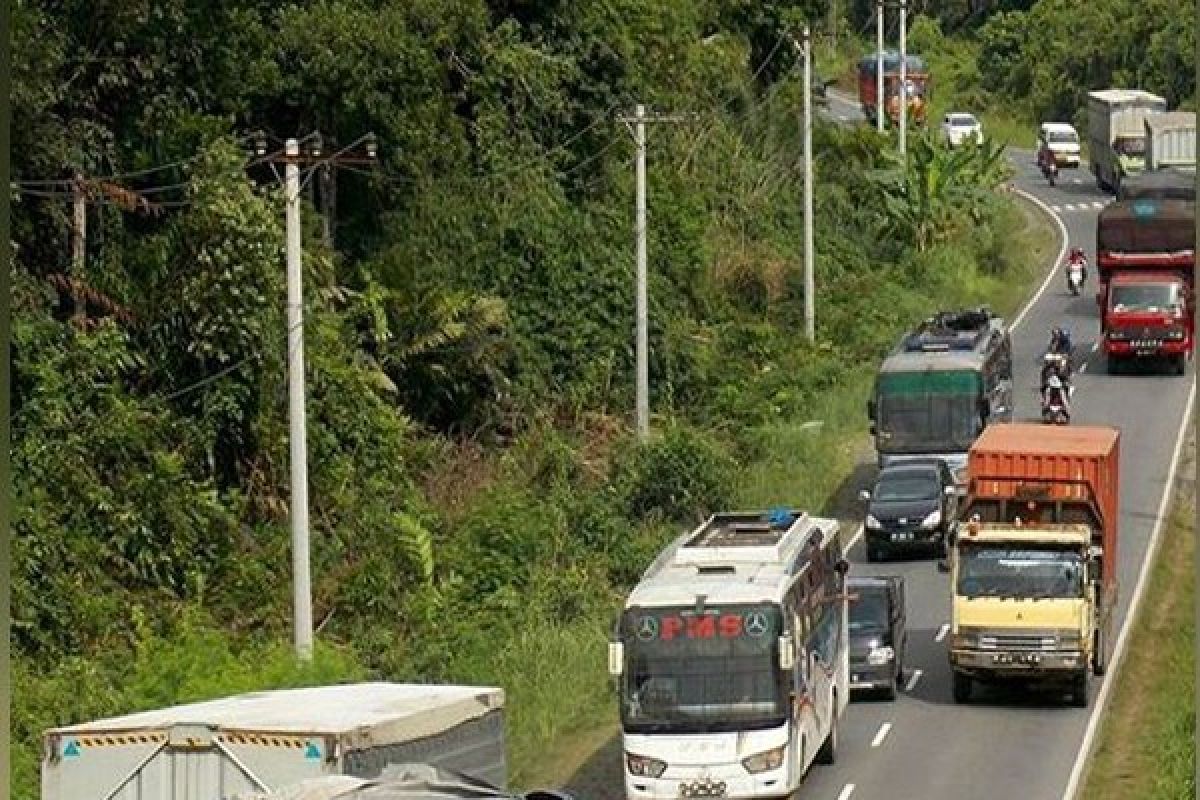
<point x="1051" y="473"/>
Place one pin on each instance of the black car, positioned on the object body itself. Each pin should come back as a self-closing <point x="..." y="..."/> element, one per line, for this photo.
<point x="877" y="633"/>
<point x="914" y="506"/>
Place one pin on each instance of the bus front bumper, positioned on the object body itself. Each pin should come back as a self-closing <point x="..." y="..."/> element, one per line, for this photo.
<point x="729" y="782"/>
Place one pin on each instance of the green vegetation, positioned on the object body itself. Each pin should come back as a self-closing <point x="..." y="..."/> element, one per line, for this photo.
<point x="1145" y="748"/>
<point x="478" y="502"/>
<point x="1016" y="63"/>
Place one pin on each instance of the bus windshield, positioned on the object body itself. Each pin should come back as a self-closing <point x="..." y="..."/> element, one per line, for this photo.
<point x="1015" y="572"/>
<point x="690" y="672"/>
<point x="928" y="411"/>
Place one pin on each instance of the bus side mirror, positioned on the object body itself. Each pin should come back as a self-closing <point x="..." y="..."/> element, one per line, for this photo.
<point x="787" y="653"/>
<point x="842" y="566"/>
<point x="616" y="658"/>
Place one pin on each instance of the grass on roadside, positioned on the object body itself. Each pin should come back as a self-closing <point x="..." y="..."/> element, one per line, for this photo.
<point x="1145" y="749"/>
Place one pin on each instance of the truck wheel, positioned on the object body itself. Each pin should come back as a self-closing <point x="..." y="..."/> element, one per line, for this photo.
<point x="1114" y="366"/>
<point x="1179" y="364"/>
<point x="1100" y="654"/>
<point x="828" y="752"/>
<point x="962" y="687"/>
<point x="890" y="692"/>
<point x="874" y="552"/>
<point x="1079" y="690"/>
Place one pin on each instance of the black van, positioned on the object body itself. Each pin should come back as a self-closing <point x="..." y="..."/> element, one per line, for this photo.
<point x="877" y="633"/>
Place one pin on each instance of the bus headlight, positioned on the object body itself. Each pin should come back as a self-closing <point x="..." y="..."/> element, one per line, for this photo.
<point x="933" y="520"/>
<point x="762" y="762"/>
<point x="880" y="656"/>
<point x="644" y="767"/>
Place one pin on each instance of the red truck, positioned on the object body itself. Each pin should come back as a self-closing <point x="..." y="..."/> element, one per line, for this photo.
<point x="1145" y="257"/>
<point x="917" y="75"/>
<point x="1034" y="567"/>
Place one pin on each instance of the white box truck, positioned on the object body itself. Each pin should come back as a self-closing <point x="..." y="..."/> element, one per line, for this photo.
<point x="1117" y="134"/>
<point x="1171" y="141"/>
<point x="223" y="748"/>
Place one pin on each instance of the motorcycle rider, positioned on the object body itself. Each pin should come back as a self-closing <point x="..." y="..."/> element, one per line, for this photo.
<point x="1060" y="345"/>
<point x="1046" y="161"/>
<point x="1077" y="256"/>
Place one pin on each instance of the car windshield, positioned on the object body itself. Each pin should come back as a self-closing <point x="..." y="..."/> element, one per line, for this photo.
<point x="868" y="609"/>
<point x="962" y="121"/>
<point x="1149" y="297"/>
<point x="906" y="486"/>
<point x="1130" y="145"/>
<point x="1062" y="137"/>
<point x="694" y="673"/>
<point x="990" y="571"/>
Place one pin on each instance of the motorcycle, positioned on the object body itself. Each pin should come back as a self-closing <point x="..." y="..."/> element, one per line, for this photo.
<point x="1050" y="170"/>
<point x="1056" y="364"/>
<point x="1054" y="409"/>
<point x="1075" y="277"/>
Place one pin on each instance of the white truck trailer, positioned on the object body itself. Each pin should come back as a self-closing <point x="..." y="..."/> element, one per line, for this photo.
<point x="224" y="748"/>
<point x="1171" y="141"/>
<point x="1117" y="134"/>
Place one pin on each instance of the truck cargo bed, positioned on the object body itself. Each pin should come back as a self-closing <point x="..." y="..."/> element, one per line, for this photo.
<point x="214" y="750"/>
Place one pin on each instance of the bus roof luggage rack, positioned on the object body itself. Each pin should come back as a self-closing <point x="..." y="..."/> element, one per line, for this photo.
<point x="951" y="330"/>
<point x="748" y="537"/>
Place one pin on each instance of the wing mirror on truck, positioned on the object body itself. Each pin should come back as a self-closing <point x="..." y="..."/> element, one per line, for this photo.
<point x="871" y="410"/>
<point x="787" y="653"/>
<point x="842" y="566"/>
<point x="865" y="496"/>
<point x="616" y="658"/>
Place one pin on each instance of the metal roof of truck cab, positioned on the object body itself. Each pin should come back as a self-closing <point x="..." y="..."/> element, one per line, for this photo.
<point x="316" y="710"/>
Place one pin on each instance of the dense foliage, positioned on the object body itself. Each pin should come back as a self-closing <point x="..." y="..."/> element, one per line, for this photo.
<point x="477" y="499"/>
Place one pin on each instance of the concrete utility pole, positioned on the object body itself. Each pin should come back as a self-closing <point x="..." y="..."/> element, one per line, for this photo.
<point x="297" y="427"/>
<point x="293" y="158"/>
<point x="880" y="106"/>
<point x="78" y="228"/>
<point x="637" y="126"/>
<point x="809" y="299"/>
<point x="903" y="75"/>
<point x="643" y="348"/>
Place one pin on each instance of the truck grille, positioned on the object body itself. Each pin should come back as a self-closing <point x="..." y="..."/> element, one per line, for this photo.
<point x="1019" y="642"/>
<point x="1146" y="344"/>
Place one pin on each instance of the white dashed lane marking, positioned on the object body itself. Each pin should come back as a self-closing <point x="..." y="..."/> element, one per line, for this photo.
<point x="883" y="732"/>
<point x="942" y="631"/>
<point x="847" y="790"/>
<point x="916" y="676"/>
<point x="1091" y="205"/>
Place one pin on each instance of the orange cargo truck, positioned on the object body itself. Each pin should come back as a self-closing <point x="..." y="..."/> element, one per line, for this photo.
<point x="1034" y="565"/>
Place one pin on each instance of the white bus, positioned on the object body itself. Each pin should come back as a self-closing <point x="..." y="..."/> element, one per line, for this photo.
<point x="731" y="658"/>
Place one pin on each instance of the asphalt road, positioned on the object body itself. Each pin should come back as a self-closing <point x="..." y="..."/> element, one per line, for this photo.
<point x="1012" y="742"/>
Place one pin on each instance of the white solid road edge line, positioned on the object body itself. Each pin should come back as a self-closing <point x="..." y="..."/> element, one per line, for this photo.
<point x="853" y="541"/>
<point x="1114" y="665"/>
<point x="1062" y="251"/>
<point x="916" y="676"/>
<point x="883" y="732"/>
<point x="847" y="790"/>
